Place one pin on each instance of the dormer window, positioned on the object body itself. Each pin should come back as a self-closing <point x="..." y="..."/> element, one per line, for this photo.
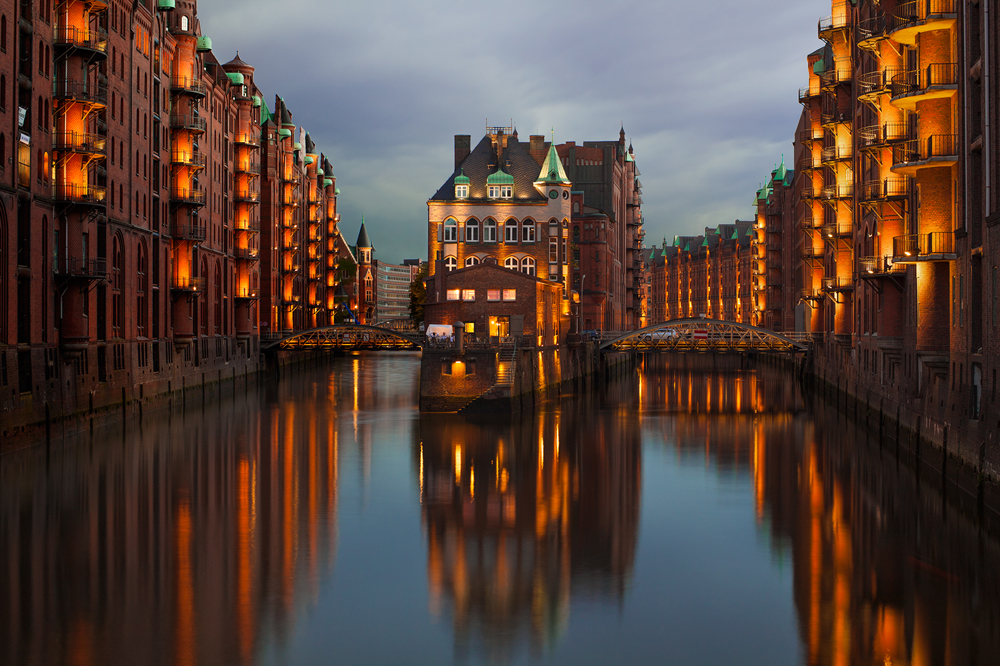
<point x="500" y="185"/>
<point x="493" y="191"/>
<point x="461" y="191"/>
<point x="506" y="191"/>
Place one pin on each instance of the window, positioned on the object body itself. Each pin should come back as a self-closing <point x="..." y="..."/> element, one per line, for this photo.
<point x="506" y="191"/>
<point x="512" y="263"/>
<point x="510" y="294"/>
<point x="453" y="294"/>
<point x="469" y="295"/>
<point x="472" y="231"/>
<point x="528" y="232"/>
<point x="492" y="294"/>
<point x="471" y="261"/>
<point x="450" y="263"/>
<point x="493" y="191"/>
<point x="490" y="231"/>
<point x="510" y="231"/>
<point x="461" y="191"/>
<point x="528" y="266"/>
<point x="184" y="23"/>
<point x="553" y="250"/>
<point x="450" y="230"/>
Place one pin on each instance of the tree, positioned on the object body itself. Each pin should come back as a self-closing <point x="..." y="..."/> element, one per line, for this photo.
<point x="418" y="294"/>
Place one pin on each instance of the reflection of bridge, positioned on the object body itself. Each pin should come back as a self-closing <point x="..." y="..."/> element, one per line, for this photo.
<point x="704" y="335"/>
<point x="345" y="337"/>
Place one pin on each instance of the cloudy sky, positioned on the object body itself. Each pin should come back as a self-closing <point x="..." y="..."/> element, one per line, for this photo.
<point x="706" y="90"/>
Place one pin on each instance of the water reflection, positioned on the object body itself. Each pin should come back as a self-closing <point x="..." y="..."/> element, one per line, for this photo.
<point x="522" y="516"/>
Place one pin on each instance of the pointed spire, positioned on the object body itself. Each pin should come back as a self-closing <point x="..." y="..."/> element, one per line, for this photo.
<point x="363" y="240"/>
<point x="552" y="172"/>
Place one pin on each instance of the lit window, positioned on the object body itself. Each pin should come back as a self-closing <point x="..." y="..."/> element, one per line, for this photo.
<point x="553" y="250"/>
<point x="471" y="261"/>
<point x="528" y="265"/>
<point x="450" y="263"/>
<point x="492" y="294"/>
<point x="510" y="231"/>
<point x="470" y="328"/>
<point x="453" y="294"/>
<point x="490" y="231"/>
<point x="512" y="263"/>
<point x="529" y="232"/>
<point x="472" y="231"/>
<point x="493" y="191"/>
<point x="510" y="294"/>
<point x="461" y="191"/>
<point x="506" y="191"/>
<point x="450" y="231"/>
<point x="468" y="294"/>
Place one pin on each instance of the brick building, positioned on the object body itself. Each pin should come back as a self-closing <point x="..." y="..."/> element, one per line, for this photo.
<point x="145" y="220"/>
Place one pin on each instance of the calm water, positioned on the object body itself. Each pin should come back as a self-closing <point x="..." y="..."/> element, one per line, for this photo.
<point x="678" y="516"/>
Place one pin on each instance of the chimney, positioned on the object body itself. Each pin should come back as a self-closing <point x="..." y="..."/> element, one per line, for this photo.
<point x="463" y="146"/>
<point x="536" y="147"/>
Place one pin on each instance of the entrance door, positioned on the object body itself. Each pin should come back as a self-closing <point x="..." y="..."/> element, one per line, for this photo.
<point x="499" y="326"/>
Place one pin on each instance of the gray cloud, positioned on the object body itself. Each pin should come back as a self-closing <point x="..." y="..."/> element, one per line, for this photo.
<point x="706" y="91"/>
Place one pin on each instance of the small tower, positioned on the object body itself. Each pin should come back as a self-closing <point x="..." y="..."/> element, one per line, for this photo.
<point x="366" y="281"/>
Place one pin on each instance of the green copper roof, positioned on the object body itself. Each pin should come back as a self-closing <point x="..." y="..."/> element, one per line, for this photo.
<point x="310" y="159"/>
<point x="257" y="102"/>
<point x="500" y="177"/>
<point x="296" y="146"/>
<point x="336" y="192"/>
<point x="265" y="113"/>
<point x="235" y="78"/>
<point x="677" y="241"/>
<point x="704" y="243"/>
<point x="284" y="133"/>
<point x="735" y="235"/>
<point x="327" y="182"/>
<point x="819" y="66"/>
<point x="552" y="172"/>
<point x="687" y="246"/>
<point x="461" y="178"/>
<point x="749" y="231"/>
<point x="165" y="4"/>
<point x="204" y="43"/>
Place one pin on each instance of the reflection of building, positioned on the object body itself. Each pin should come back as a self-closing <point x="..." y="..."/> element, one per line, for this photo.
<point x="520" y="516"/>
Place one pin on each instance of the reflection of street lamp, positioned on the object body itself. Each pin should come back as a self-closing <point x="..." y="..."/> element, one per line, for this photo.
<point x="579" y="308"/>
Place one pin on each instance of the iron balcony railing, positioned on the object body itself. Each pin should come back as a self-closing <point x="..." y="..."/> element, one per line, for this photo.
<point x="188" y="121"/>
<point x="835" y="76"/>
<point x="188" y="196"/>
<point x="807" y="192"/>
<point x="936" y="146"/>
<point x="916" y="12"/>
<point x="80" y="142"/>
<point x="190" y="158"/>
<point x="881" y="135"/>
<point x="185" y="283"/>
<point x="249" y="138"/>
<point x="246" y="253"/>
<point x="831" y="192"/>
<point x="812" y="294"/>
<point x="810" y="161"/>
<point x="923" y="246"/>
<point x="80" y="194"/>
<point x="809" y="221"/>
<point x="870" y="29"/>
<point x="808" y="93"/>
<point x="247" y="294"/>
<point x="836" y="229"/>
<point x="874" y="266"/>
<point x="187" y="85"/>
<point x="838" y="284"/>
<point x="831" y="24"/>
<point x="248" y="167"/>
<point x="80" y="91"/>
<point x="811" y="252"/>
<point x="188" y="232"/>
<point x="246" y="197"/>
<point x="248" y="225"/>
<point x="835" y="153"/>
<point x="889" y="188"/>
<point x="292" y="198"/>
<point x="81" y="38"/>
<point x="810" y="134"/>
<point x="919" y="81"/>
<point x="74" y="267"/>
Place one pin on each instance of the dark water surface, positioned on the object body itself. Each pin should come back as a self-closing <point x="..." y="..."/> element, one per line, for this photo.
<point x="676" y="516"/>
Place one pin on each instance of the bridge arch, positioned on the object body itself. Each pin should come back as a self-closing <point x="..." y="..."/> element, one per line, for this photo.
<point x="705" y="335"/>
<point x="347" y="337"/>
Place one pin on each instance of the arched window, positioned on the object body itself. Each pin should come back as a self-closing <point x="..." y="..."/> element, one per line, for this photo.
<point x="117" y="307"/>
<point x="3" y="154"/>
<point x="472" y="230"/>
<point x="39" y="113"/>
<point x="510" y="231"/>
<point x="141" y="289"/>
<point x="4" y="284"/>
<point x="528" y="265"/>
<point x="490" y="230"/>
<point x="528" y="231"/>
<point x="203" y="314"/>
<point x="450" y="230"/>
<point x="48" y="58"/>
<point x="3" y="92"/>
<point x="3" y="33"/>
<point x="47" y="116"/>
<point x="512" y="263"/>
<point x="217" y="323"/>
<point x="471" y="261"/>
<point x="369" y="288"/>
<point x="40" y="167"/>
<point x="41" y="57"/>
<point x="184" y="23"/>
<point x="450" y="263"/>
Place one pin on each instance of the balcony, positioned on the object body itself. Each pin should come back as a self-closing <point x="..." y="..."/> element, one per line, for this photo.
<point x="835" y="77"/>
<point x="188" y="284"/>
<point x="877" y="267"/>
<point x="250" y="138"/>
<point x="877" y="136"/>
<point x="86" y="269"/>
<point x="189" y="158"/>
<point x="246" y="253"/>
<point x="811" y="294"/>
<point x="831" y="114"/>
<point x="807" y="94"/>
<point x="937" y="150"/>
<point x="291" y="198"/>
<point x="830" y="26"/>
<point x="812" y="252"/>
<point x="833" y="230"/>
<point x="837" y="192"/>
<point x="70" y="193"/>
<point x="79" y="142"/>
<point x="80" y="91"/>
<point x="882" y="190"/>
<point x="246" y="294"/>
<point x="836" y="154"/>
<point x="809" y="162"/>
<point x="85" y="39"/>
<point x="251" y="226"/>
<point x="936" y="81"/>
<point x="870" y="31"/>
<point x="931" y="246"/>
<point x="807" y="193"/>
<point x="291" y="176"/>
<point x="911" y="18"/>
<point x="291" y="267"/>
<point x="810" y="221"/>
<point x="191" y="232"/>
<point x="187" y="121"/>
<point x="187" y="85"/>
<point x="190" y="197"/>
<point x="250" y="168"/>
<point x="246" y="197"/>
<point x="838" y="284"/>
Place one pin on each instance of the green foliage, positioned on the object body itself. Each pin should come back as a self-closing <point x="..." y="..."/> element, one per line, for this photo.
<point x="418" y="294"/>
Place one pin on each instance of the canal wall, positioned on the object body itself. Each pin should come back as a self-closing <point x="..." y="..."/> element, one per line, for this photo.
<point x="919" y="427"/>
<point x="490" y="379"/>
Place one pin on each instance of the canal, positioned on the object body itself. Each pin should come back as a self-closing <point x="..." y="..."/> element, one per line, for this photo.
<point x="678" y="515"/>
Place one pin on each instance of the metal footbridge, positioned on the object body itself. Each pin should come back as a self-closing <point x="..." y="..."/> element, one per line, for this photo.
<point x="346" y="337"/>
<point x="705" y="336"/>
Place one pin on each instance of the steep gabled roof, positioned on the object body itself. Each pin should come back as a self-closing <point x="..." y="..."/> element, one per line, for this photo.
<point x="482" y="162"/>
<point x="552" y="172"/>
